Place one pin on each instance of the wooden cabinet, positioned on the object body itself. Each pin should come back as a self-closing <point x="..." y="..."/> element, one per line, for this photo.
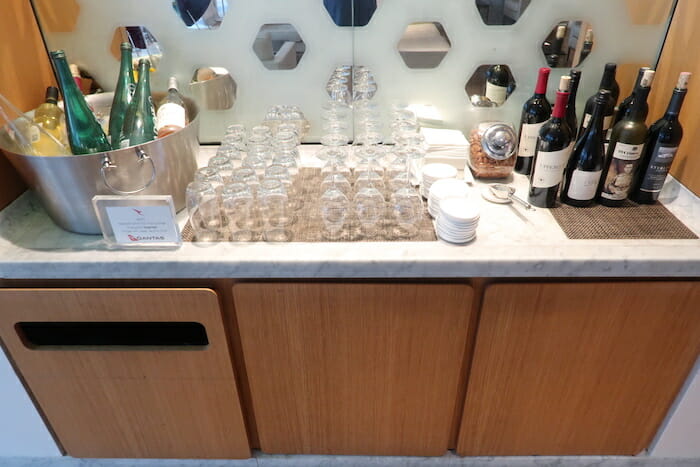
<point x="354" y="368"/>
<point x="123" y="395"/>
<point x="577" y="369"/>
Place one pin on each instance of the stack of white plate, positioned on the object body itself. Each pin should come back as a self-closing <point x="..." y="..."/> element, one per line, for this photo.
<point x="431" y="173"/>
<point x="457" y="220"/>
<point x="443" y="189"/>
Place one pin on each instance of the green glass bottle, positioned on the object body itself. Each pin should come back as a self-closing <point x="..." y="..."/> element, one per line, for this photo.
<point x="85" y="135"/>
<point x="140" y="120"/>
<point x="123" y="94"/>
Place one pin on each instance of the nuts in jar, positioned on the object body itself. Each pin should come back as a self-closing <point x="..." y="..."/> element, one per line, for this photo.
<point x="492" y="150"/>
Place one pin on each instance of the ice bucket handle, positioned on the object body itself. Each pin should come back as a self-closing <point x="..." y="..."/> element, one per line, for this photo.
<point x="108" y="164"/>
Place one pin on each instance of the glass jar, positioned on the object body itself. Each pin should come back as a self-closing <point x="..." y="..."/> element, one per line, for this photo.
<point x="492" y="148"/>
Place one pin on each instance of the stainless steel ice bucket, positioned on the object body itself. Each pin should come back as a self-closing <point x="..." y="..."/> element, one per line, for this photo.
<point x="66" y="184"/>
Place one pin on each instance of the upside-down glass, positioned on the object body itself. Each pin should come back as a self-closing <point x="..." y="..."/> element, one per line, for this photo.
<point x="240" y="210"/>
<point x="334" y="206"/>
<point x="406" y="212"/>
<point x="204" y="211"/>
<point x="223" y="165"/>
<point x="370" y="208"/>
<point x="247" y="176"/>
<point x="210" y="175"/>
<point x="274" y="208"/>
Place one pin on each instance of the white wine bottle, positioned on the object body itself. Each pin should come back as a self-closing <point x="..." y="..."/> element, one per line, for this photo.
<point x="172" y="114"/>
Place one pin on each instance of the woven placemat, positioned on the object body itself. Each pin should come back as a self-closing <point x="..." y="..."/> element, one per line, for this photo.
<point x="309" y="227"/>
<point x="629" y="221"/>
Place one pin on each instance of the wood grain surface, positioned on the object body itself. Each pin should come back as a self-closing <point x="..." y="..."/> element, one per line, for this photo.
<point x="155" y="403"/>
<point x="353" y="368"/>
<point x="680" y="54"/>
<point x="578" y="369"/>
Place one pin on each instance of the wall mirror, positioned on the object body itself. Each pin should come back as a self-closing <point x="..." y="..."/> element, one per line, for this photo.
<point x="279" y="52"/>
<point x="568" y="44"/>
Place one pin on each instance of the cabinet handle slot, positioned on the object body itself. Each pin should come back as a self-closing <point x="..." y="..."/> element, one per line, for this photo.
<point x="120" y="335"/>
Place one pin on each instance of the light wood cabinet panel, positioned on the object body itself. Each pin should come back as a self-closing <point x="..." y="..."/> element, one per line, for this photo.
<point x="134" y="402"/>
<point x="354" y="368"/>
<point x="577" y="369"/>
<point x="680" y="54"/>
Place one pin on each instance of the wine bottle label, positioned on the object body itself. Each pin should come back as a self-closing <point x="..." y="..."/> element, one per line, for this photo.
<point x="549" y="168"/>
<point x="659" y="165"/>
<point x="620" y="175"/>
<point x="584" y="185"/>
<point x="170" y="114"/>
<point x="124" y="144"/>
<point x="607" y="122"/>
<point x="495" y="93"/>
<point x="528" y="139"/>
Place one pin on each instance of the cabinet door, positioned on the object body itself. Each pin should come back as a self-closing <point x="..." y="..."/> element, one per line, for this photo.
<point x="588" y="369"/>
<point x="354" y="368"/>
<point x="110" y="385"/>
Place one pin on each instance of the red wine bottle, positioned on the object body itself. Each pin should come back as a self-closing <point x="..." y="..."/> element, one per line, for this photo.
<point x="625" y="149"/>
<point x="536" y="112"/>
<point x="624" y="107"/>
<point x="664" y="137"/>
<point x="551" y="156"/>
<point x="585" y="167"/>
<point x="571" y="118"/>
<point x="607" y="82"/>
<point x="587" y="46"/>
<point x="497" y="82"/>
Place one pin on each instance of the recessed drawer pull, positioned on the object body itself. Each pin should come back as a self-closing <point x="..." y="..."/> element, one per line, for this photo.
<point x="61" y="335"/>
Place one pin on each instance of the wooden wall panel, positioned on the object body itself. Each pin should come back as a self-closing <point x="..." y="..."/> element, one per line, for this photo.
<point x="26" y="73"/>
<point x="680" y="54"/>
<point x="130" y="403"/>
<point x="577" y="369"/>
<point x="354" y="368"/>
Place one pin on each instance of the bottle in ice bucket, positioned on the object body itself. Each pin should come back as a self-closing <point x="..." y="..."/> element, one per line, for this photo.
<point x="85" y="135"/>
<point x="50" y="116"/>
<point x="123" y="95"/>
<point x="140" y="120"/>
<point x="171" y="115"/>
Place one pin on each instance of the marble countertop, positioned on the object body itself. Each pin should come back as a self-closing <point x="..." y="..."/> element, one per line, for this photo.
<point x="511" y="242"/>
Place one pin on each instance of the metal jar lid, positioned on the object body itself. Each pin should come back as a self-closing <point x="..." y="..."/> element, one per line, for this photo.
<point x="499" y="141"/>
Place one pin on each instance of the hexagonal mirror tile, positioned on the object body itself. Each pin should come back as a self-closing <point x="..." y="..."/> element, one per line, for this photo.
<point x="568" y="44"/>
<point x="501" y="12"/>
<point x="144" y="43"/>
<point x="351" y="12"/>
<point x="490" y="85"/>
<point x="201" y="14"/>
<point x="424" y="45"/>
<point x="279" y="46"/>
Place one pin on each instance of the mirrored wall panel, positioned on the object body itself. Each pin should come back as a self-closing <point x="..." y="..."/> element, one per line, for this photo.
<point x="279" y="46"/>
<point x="490" y="85"/>
<point x="424" y="45"/>
<point x="501" y="12"/>
<point x="201" y="14"/>
<point x="239" y="59"/>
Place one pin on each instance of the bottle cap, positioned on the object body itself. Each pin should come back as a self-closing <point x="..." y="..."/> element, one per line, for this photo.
<point x="647" y="79"/>
<point x="74" y="70"/>
<point x="602" y="96"/>
<point x="561" y="31"/>
<point x="126" y="46"/>
<point x="589" y="35"/>
<point x="683" y="79"/>
<point x="172" y="83"/>
<point x="52" y="94"/>
<point x="564" y="83"/>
